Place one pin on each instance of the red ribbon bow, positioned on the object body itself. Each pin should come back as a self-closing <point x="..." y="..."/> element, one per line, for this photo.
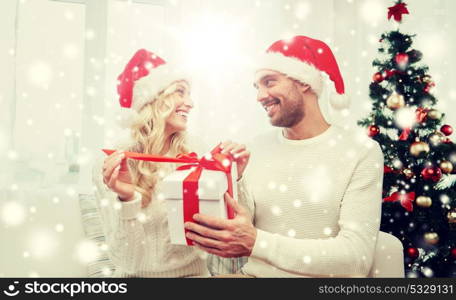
<point x="421" y="114"/>
<point x="397" y="11"/>
<point x="215" y="161"/>
<point x="405" y="199"/>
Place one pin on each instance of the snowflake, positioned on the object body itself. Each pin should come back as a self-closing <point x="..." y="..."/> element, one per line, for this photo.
<point x="87" y="251"/>
<point x="13" y="214"/>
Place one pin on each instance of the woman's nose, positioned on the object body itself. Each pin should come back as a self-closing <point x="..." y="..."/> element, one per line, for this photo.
<point x="188" y="102"/>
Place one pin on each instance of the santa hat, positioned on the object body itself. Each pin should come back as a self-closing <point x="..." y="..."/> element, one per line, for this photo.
<point x="144" y="77"/>
<point x="309" y="61"/>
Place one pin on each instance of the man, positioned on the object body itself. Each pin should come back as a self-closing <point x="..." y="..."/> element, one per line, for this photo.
<point x="315" y="188"/>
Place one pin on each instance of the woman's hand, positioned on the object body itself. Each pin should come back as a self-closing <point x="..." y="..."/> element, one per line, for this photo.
<point x="240" y="154"/>
<point x="116" y="175"/>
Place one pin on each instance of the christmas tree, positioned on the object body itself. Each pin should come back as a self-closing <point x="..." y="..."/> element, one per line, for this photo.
<point x="419" y="187"/>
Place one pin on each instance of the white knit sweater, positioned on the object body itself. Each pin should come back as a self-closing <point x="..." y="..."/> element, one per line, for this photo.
<point x="138" y="238"/>
<point x="317" y="204"/>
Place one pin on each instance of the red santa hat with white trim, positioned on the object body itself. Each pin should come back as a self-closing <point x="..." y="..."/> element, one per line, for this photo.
<point x="309" y="61"/>
<point x="143" y="78"/>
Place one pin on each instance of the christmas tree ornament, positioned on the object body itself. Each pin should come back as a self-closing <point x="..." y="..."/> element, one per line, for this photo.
<point x="405" y="199"/>
<point x="446" y="130"/>
<point x="426" y="79"/>
<point x="423" y="201"/>
<point x="378" y="77"/>
<point x="390" y="73"/>
<point x="429" y="86"/>
<point x="431" y="173"/>
<point x="397" y="11"/>
<point x="447" y="141"/>
<point x="452" y="216"/>
<point x="434" y="114"/>
<point x="408" y="173"/>
<point x="401" y="60"/>
<point x="419" y="148"/>
<point x="446" y="167"/>
<point x="412" y="253"/>
<point x="436" y="138"/>
<point x="373" y="130"/>
<point x="453" y="253"/>
<point x="431" y="238"/>
<point x="395" y="101"/>
<point x="415" y="55"/>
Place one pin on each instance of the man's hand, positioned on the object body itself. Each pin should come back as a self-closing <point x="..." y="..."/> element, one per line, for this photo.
<point x="226" y="238"/>
<point x="240" y="154"/>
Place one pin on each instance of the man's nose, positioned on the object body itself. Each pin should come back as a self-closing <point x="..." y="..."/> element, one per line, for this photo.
<point x="262" y="95"/>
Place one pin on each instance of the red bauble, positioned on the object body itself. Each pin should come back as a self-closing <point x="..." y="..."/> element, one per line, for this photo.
<point x="413" y="253"/>
<point x="401" y="59"/>
<point x="432" y="173"/>
<point x="453" y="253"/>
<point x="378" y="77"/>
<point x="446" y="130"/>
<point x="373" y="130"/>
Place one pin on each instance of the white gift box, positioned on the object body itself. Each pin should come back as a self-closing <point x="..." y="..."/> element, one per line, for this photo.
<point x="212" y="186"/>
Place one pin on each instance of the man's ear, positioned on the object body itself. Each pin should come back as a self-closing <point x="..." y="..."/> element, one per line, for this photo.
<point x="304" y="87"/>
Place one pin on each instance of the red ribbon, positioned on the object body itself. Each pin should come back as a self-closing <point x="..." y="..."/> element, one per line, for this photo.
<point x="397" y="11"/>
<point x="405" y="199"/>
<point x="216" y="162"/>
<point x="421" y="114"/>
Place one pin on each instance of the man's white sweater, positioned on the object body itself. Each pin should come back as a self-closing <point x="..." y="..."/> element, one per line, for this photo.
<point x="317" y="204"/>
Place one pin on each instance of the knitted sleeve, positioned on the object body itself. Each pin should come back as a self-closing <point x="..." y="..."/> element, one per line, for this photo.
<point x="124" y="232"/>
<point x="350" y="253"/>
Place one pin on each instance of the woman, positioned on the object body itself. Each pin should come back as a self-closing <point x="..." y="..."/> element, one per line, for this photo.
<point x="157" y="100"/>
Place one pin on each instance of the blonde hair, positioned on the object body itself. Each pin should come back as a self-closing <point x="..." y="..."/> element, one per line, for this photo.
<point x="148" y="134"/>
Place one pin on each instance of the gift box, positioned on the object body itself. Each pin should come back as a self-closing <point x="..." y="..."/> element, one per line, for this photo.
<point x="211" y="187"/>
<point x="197" y="186"/>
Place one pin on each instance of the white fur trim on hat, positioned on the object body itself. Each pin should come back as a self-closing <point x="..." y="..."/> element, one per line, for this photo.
<point x="292" y="67"/>
<point x="147" y="88"/>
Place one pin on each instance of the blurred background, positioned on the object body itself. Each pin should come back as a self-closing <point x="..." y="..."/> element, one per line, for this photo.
<point x="59" y="62"/>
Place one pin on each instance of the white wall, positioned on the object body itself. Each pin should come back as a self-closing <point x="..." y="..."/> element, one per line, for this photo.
<point x="61" y="82"/>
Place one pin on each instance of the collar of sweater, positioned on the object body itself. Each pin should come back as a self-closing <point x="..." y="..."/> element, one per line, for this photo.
<point x="318" y="138"/>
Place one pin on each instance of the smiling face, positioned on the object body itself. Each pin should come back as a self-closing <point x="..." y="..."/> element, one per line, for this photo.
<point x="281" y="97"/>
<point x="177" y="120"/>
